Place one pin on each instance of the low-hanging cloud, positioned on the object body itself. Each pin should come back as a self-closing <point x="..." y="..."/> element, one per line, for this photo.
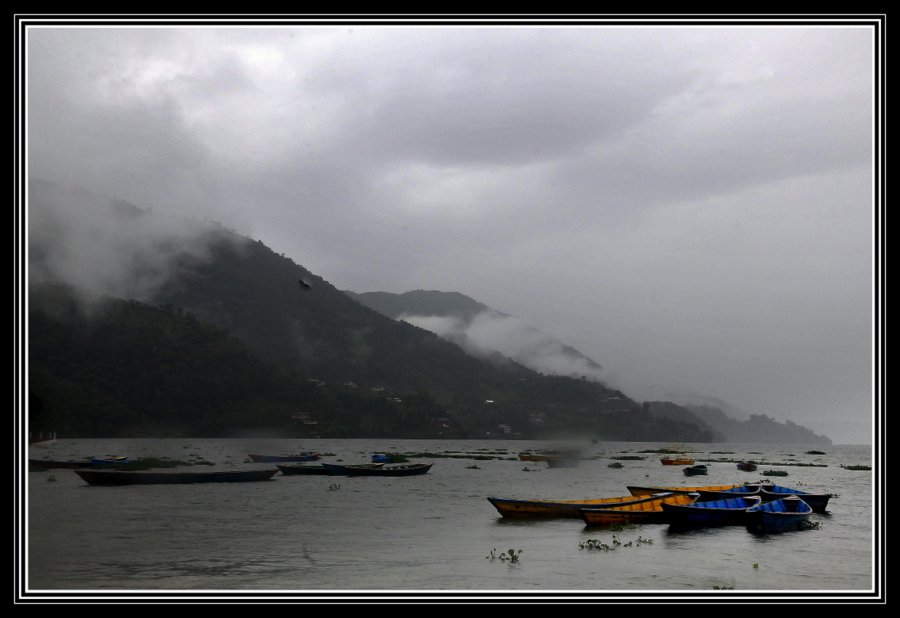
<point x="106" y="246"/>
<point x="490" y="332"/>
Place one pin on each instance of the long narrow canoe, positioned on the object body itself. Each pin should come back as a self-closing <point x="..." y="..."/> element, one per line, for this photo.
<point x="781" y="515"/>
<point x="302" y="469"/>
<point x="400" y="470"/>
<point x="769" y="492"/>
<point x="556" y="508"/>
<point x="119" y="477"/>
<point x="649" y="491"/>
<point x="284" y="458"/>
<point x="645" y="511"/>
<point x="341" y="469"/>
<point x="730" y="512"/>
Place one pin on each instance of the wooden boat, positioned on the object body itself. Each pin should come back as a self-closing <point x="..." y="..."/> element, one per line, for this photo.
<point x="728" y="512"/>
<point x="746" y="466"/>
<point x="284" y="458"/>
<point x="769" y="492"/>
<point x="557" y="508"/>
<point x="88" y="462"/>
<point x="302" y="469"/>
<point x="536" y="456"/>
<point x="643" y="511"/>
<point x="341" y="469"/>
<point x="107" y="461"/>
<point x="637" y="490"/>
<point x="120" y="477"/>
<point x="46" y="464"/>
<point x="782" y="515"/>
<point x="695" y="470"/>
<point x="677" y="456"/>
<point x="682" y="460"/>
<point x="399" y="470"/>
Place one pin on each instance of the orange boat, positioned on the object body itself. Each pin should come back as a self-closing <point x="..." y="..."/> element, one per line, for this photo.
<point x="649" y="491"/>
<point x="554" y="508"/>
<point x="647" y="511"/>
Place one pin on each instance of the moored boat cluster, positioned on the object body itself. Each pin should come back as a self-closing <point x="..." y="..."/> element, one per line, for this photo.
<point x="762" y="507"/>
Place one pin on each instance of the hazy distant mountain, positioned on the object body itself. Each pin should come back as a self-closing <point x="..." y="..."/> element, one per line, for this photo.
<point x="758" y="428"/>
<point x="482" y="331"/>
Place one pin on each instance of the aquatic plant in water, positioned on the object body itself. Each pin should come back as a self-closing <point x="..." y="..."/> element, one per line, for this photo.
<point x="512" y="555"/>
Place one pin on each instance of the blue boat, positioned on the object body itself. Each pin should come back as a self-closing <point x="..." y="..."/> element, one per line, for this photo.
<point x="769" y="492"/>
<point x="109" y="460"/>
<point x="726" y="512"/>
<point x="780" y="515"/>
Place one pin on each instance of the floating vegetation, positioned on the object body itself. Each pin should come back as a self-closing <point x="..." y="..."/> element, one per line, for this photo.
<point x="775" y="473"/>
<point x="815" y="452"/>
<point x="334" y="487"/>
<point x="755" y="565"/>
<point x="723" y="588"/>
<point x="811" y="525"/>
<point x="628" y="457"/>
<point x="473" y="467"/>
<point x="527" y="469"/>
<point x="615" y="464"/>
<point x="857" y="467"/>
<point x="510" y="554"/>
<point x="614" y="543"/>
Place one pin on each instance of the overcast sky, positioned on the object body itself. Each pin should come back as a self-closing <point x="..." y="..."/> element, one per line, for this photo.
<point x="691" y="207"/>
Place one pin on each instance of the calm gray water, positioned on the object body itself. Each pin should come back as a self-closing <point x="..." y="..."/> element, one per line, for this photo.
<point x="427" y="533"/>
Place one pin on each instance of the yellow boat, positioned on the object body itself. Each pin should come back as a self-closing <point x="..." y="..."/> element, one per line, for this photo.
<point x="648" y="511"/>
<point x="558" y="508"/>
<point x="649" y="491"/>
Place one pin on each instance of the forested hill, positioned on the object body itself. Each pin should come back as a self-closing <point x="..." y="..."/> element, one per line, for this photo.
<point x="192" y="304"/>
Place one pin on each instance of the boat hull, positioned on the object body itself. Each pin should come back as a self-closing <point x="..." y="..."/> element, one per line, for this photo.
<point x="783" y="515"/>
<point x="284" y="458"/>
<point x="289" y="470"/>
<point x="676" y="461"/>
<point x="695" y="470"/>
<point x="646" y="511"/>
<point x="768" y="493"/>
<point x="402" y="470"/>
<point x="730" y="512"/>
<point x="118" y="477"/>
<point x="341" y="469"/>
<point x="637" y="490"/>
<point x="552" y="509"/>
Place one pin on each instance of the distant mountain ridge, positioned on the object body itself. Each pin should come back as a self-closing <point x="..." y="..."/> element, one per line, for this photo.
<point x="420" y="305"/>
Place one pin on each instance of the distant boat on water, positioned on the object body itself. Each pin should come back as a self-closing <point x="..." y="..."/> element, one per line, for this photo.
<point x="119" y="477"/>
<point x="306" y="456"/>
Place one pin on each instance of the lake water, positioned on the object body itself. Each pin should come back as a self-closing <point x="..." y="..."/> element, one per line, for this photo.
<point x="430" y="535"/>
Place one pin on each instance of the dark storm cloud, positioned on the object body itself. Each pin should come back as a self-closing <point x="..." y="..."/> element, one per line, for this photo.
<point x="675" y="202"/>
